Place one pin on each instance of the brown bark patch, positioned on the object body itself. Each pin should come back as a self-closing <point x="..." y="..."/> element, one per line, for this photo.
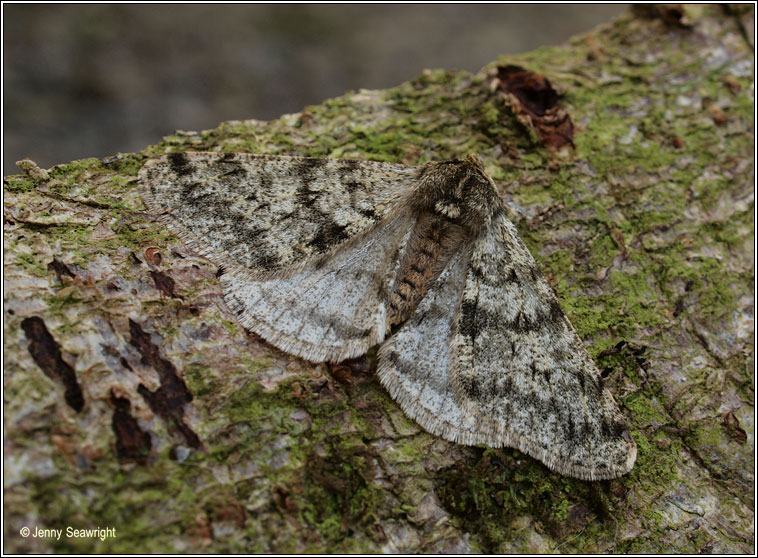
<point x="132" y="443"/>
<point x="60" y="269"/>
<point x="168" y="400"/>
<point x="733" y="428"/>
<point x="164" y="284"/>
<point x="47" y="354"/>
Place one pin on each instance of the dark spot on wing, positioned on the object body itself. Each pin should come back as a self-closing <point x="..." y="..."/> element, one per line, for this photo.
<point x="618" y="428"/>
<point x="395" y="361"/>
<point x="471" y="388"/>
<point x="476" y="271"/>
<point x="320" y="262"/>
<point x="244" y="233"/>
<point x="265" y="180"/>
<point x="523" y="323"/>
<point x="556" y="312"/>
<point x="571" y="431"/>
<point x="305" y="195"/>
<point x="419" y="317"/>
<point x="595" y="388"/>
<point x="606" y="427"/>
<point x="307" y="165"/>
<point x="328" y="235"/>
<point x="468" y="325"/>
<point x="506" y="388"/>
<point x="237" y="171"/>
<point x="188" y="191"/>
<point x="546" y="318"/>
<point x="474" y="319"/>
<point x="266" y="261"/>
<point x="180" y="164"/>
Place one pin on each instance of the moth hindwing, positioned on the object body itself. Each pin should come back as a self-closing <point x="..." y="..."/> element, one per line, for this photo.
<point x="325" y="258"/>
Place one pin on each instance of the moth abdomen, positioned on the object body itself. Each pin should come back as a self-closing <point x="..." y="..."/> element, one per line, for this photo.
<point x="433" y="241"/>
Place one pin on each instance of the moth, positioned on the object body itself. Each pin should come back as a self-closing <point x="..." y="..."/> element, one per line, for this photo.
<point x="325" y="258"/>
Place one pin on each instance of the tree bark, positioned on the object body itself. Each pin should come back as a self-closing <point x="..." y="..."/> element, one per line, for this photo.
<point x="134" y="401"/>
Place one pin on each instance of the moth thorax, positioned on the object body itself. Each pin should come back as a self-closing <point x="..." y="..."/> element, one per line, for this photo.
<point x="458" y="190"/>
<point x="433" y="241"/>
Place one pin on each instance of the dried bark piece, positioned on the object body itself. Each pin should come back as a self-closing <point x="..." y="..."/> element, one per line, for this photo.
<point x="534" y="102"/>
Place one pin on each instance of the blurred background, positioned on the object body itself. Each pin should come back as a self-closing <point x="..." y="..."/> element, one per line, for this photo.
<point x="93" y="80"/>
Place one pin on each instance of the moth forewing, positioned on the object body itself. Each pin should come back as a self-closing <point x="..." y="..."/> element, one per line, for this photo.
<point x="521" y="369"/>
<point x="257" y="215"/>
<point x="332" y="307"/>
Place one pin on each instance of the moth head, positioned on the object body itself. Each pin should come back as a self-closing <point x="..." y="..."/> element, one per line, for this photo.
<point x="459" y="190"/>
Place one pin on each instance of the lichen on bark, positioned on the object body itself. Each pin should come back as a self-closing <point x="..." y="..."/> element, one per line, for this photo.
<point x="196" y="436"/>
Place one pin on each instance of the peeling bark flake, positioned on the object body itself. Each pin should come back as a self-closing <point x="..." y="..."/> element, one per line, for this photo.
<point x="153" y="255"/>
<point x="534" y="103"/>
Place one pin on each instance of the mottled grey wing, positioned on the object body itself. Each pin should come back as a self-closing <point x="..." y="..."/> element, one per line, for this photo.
<point x="333" y="307"/>
<point x="414" y="364"/>
<point x="521" y="370"/>
<point x="257" y="214"/>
